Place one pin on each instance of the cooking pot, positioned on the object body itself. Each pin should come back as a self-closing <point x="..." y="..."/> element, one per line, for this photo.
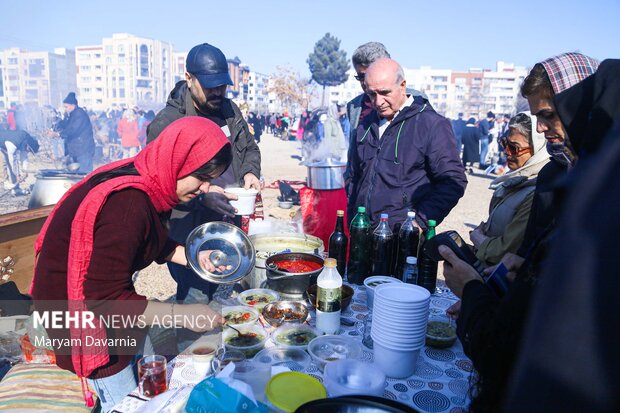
<point x="51" y="185"/>
<point x="326" y="174"/>
<point x="292" y="283"/>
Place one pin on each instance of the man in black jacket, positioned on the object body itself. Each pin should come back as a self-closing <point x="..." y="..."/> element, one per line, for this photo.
<point x="77" y="131"/>
<point x="202" y="93"/>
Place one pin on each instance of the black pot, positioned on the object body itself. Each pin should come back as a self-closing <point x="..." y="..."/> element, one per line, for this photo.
<point x="291" y="282"/>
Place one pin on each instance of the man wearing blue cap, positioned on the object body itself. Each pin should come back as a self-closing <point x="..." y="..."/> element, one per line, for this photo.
<point x="202" y="93"/>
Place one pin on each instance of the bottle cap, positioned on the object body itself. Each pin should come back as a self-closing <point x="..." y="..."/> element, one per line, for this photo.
<point x="340" y="213"/>
<point x="432" y="223"/>
<point x="412" y="260"/>
<point x="361" y="209"/>
<point x="384" y="216"/>
<point x="330" y="262"/>
<point x="411" y="214"/>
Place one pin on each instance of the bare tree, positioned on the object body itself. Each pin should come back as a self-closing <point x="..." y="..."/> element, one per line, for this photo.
<point x="290" y="88"/>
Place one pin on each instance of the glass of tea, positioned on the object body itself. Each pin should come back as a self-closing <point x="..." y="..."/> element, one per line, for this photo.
<point x="152" y="375"/>
<point x="223" y="357"/>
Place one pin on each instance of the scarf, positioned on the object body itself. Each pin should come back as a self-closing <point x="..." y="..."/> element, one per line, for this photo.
<point x="183" y="147"/>
<point x="564" y="71"/>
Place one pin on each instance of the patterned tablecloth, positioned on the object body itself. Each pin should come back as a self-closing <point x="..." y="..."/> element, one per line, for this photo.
<point x="439" y="384"/>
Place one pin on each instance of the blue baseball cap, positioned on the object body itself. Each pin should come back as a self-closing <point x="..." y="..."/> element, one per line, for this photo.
<point x="208" y="64"/>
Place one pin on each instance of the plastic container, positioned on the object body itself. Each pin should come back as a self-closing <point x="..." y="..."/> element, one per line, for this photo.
<point x="347" y="377"/>
<point x="245" y="203"/>
<point x="239" y="315"/>
<point x="325" y="349"/>
<point x="372" y="282"/>
<point x="292" y="358"/>
<point x="287" y="391"/>
<point x="248" y="350"/>
<point x="294" y="336"/>
<point x="441" y="332"/>
<point x="254" y="297"/>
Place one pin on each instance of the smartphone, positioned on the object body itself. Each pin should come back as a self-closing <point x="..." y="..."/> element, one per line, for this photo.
<point x="498" y="280"/>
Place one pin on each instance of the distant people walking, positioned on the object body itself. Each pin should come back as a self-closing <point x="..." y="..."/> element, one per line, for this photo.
<point x="128" y="130"/>
<point x="77" y="132"/>
<point x="471" y="140"/>
<point x="458" y="126"/>
<point x="485" y="129"/>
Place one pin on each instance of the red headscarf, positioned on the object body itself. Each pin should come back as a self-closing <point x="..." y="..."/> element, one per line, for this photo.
<point x="183" y="147"/>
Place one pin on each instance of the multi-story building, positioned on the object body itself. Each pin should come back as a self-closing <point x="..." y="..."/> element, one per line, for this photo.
<point x="178" y="66"/>
<point x="41" y="78"/>
<point x="258" y="95"/>
<point x="501" y="87"/>
<point x="435" y="83"/>
<point x="131" y="70"/>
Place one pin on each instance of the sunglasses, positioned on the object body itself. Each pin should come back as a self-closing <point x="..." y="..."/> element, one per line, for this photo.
<point x="360" y="78"/>
<point x="513" y="150"/>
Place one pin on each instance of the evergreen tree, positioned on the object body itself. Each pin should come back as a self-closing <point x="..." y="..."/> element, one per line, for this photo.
<point x="328" y="64"/>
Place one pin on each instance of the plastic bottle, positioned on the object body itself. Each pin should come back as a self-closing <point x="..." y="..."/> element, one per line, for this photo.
<point x="382" y="248"/>
<point x="427" y="268"/>
<point x="338" y="243"/>
<point x="358" y="268"/>
<point x="410" y="271"/>
<point x="328" y="294"/>
<point x="408" y="242"/>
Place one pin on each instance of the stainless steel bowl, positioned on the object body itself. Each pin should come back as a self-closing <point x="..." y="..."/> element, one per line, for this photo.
<point x="231" y="247"/>
<point x="291" y="307"/>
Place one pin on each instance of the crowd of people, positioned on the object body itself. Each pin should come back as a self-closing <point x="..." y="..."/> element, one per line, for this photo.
<point x="550" y="221"/>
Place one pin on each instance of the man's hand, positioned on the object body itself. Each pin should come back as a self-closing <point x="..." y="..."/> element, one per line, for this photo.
<point x="454" y="310"/>
<point x="456" y="271"/>
<point x="512" y="262"/>
<point x="217" y="200"/>
<point x="251" y="181"/>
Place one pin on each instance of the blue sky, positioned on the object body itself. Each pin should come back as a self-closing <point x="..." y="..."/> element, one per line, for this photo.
<point x="438" y="33"/>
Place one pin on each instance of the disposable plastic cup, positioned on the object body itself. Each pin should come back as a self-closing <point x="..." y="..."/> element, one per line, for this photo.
<point x="399" y="332"/>
<point x="402" y="293"/>
<point x="246" y="202"/>
<point x="398" y="346"/>
<point x="404" y="341"/>
<point x="348" y="377"/>
<point x="395" y="363"/>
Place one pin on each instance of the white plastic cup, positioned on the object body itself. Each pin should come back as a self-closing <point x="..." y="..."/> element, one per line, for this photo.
<point x="398" y="364"/>
<point x="349" y="377"/>
<point x="246" y="200"/>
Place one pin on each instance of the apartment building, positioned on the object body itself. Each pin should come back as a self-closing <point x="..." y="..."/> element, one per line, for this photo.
<point x="125" y="71"/>
<point x="42" y="78"/>
<point x="258" y="95"/>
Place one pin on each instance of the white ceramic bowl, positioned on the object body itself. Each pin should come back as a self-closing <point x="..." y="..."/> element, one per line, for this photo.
<point x="398" y="364"/>
<point x="246" y="200"/>
<point x="372" y="282"/>
<point x="343" y="377"/>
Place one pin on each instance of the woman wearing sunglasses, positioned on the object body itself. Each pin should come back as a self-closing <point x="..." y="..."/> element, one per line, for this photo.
<point x="513" y="192"/>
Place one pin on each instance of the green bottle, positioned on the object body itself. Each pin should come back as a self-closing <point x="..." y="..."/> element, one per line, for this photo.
<point x="427" y="268"/>
<point x="358" y="268"/>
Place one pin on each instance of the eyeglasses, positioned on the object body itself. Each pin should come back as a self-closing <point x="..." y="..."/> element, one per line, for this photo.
<point x="360" y="77"/>
<point x="513" y="150"/>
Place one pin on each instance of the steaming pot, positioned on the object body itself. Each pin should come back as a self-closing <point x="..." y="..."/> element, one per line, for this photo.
<point x="51" y="185"/>
<point x="326" y="174"/>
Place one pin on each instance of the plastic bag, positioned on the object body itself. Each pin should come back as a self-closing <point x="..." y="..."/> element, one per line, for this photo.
<point x="214" y="396"/>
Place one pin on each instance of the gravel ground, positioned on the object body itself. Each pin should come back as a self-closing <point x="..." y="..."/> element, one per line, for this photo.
<point x="280" y="160"/>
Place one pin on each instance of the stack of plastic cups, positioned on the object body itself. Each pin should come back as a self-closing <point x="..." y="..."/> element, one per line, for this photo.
<point x="400" y="317"/>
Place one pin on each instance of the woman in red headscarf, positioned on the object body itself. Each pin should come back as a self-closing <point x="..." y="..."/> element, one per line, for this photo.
<point x="105" y="228"/>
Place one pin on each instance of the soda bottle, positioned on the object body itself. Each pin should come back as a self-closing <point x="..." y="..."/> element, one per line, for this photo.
<point x="328" y="294"/>
<point x="394" y="264"/>
<point x="410" y="271"/>
<point x="408" y="242"/>
<point x="427" y="268"/>
<point x="338" y="243"/>
<point x="382" y="248"/>
<point x="358" y="268"/>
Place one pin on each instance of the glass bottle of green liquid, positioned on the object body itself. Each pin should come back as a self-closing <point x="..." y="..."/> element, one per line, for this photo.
<point x="427" y="268"/>
<point x="358" y="268"/>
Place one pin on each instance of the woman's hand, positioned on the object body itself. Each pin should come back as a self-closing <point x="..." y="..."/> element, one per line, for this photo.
<point x="204" y="259"/>
<point x="456" y="271"/>
<point x="197" y="317"/>
<point x="477" y="236"/>
<point x="251" y="181"/>
<point x="454" y="310"/>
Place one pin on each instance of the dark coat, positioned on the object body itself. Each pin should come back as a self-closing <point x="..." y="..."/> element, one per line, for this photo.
<point x="471" y="148"/>
<point x="19" y="138"/>
<point x="246" y="155"/>
<point x="415" y="165"/>
<point x="77" y="132"/>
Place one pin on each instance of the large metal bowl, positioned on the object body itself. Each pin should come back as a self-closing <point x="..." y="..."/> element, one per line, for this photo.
<point x="294" y="312"/>
<point x="234" y="246"/>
